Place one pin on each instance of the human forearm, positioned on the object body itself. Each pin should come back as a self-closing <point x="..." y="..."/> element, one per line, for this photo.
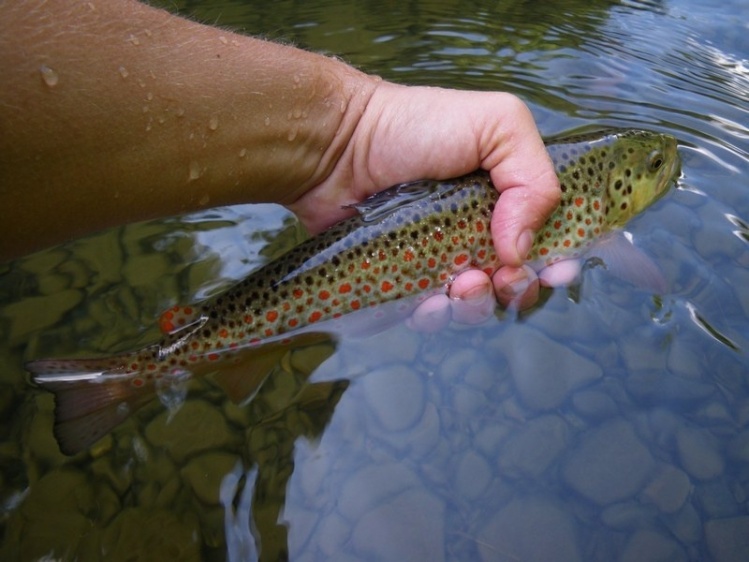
<point x="123" y="112"/>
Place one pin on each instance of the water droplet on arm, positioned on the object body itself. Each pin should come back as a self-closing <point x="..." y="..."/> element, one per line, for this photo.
<point x="133" y="40"/>
<point x="49" y="76"/>
<point x="213" y="123"/>
<point x="194" y="171"/>
<point x="123" y="72"/>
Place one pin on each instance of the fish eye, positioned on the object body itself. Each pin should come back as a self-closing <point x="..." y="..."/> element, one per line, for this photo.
<point x="655" y="161"/>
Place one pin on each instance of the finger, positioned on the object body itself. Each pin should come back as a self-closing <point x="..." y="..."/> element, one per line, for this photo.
<point x="561" y="273"/>
<point x="431" y="316"/>
<point x="523" y="172"/>
<point x="472" y="297"/>
<point x="516" y="287"/>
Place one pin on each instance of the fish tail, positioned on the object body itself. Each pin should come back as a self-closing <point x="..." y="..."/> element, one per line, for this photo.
<point x="92" y="397"/>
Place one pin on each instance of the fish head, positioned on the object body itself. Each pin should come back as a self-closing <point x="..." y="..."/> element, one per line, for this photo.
<point x="642" y="165"/>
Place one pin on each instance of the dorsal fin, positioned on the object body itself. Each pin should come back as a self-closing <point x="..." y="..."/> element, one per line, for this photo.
<point x="381" y="204"/>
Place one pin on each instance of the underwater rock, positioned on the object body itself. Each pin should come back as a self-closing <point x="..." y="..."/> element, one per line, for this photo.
<point x="698" y="453"/>
<point x="669" y="489"/>
<point x="530" y="529"/>
<point x="609" y="464"/>
<point x="653" y="547"/>
<point x="411" y="524"/>
<point x="472" y="476"/>
<point x="205" y="473"/>
<point x="594" y="404"/>
<point x="143" y="534"/>
<point x="530" y="450"/>
<point x="395" y="396"/>
<point x="373" y="485"/>
<point x="728" y="539"/>
<point x="545" y="380"/>
<point x="196" y="426"/>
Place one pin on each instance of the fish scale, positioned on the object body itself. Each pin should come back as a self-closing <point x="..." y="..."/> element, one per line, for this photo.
<point x="408" y="241"/>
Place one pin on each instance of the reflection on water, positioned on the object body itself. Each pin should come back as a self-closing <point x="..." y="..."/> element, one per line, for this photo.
<point x="607" y="424"/>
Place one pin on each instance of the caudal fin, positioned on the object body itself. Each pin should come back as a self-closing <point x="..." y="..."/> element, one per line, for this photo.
<point x="92" y="397"/>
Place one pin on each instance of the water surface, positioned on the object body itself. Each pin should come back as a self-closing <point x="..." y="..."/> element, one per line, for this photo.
<point x="609" y="423"/>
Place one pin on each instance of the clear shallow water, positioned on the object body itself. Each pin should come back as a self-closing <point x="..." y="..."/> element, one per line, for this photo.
<point x="608" y="424"/>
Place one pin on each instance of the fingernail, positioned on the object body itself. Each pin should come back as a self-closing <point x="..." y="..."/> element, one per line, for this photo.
<point x="477" y="292"/>
<point x="517" y="286"/>
<point x="524" y="243"/>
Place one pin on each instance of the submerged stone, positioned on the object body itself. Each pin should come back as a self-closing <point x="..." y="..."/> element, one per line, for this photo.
<point x="530" y="450"/>
<point x="728" y="539"/>
<point x="545" y="379"/>
<point x="609" y="464"/>
<point x="530" y="529"/>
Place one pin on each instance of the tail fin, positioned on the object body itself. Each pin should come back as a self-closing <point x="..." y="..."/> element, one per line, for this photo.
<point x="92" y="397"/>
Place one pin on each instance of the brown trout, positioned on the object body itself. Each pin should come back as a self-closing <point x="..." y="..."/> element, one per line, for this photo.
<point x="406" y="241"/>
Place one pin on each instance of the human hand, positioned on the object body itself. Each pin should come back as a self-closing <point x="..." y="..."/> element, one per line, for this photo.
<point x="408" y="133"/>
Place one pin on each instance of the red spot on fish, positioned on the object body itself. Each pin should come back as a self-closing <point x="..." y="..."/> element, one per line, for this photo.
<point x="213" y="356"/>
<point x="567" y="243"/>
<point x="195" y="345"/>
<point x="271" y="315"/>
<point x="365" y="265"/>
<point x="324" y="295"/>
<point x="268" y="332"/>
<point x="138" y="382"/>
<point x="543" y="251"/>
<point x="165" y="322"/>
<point x="233" y="345"/>
<point x="580" y="232"/>
<point x="456" y="240"/>
<point x="286" y="306"/>
<point x="382" y="256"/>
<point x="423" y="283"/>
<point x="597" y="205"/>
<point x="557" y="225"/>
<point x="344" y="288"/>
<point x="355" y="305"/>
<point x="134" y="367"/>
<point x="297" y="293"/>
<point x="579" y="202"/>
<point x="431" y="263"/>
<point x="481" y="255"/>
<point x="248" y="319"/>
<point x="462" y="224"/>
<point x="223" y="333"/>
<point x="437" y="235"/>
<point x="569" y="215"/>
<point x="479" y="226"/>
<point x="367" y="288"/>
<point x="408" y="255"/>
<point x="409" y="286"/>
<point x="293" y="322"/>
<point x="315" y="316"/>
<point x="151" y="367"/>
<point x="460" y="259"/>
<point x="386" y="286"/>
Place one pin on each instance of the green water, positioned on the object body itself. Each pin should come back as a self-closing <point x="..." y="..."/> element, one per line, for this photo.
<point x="607" y="424"/>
